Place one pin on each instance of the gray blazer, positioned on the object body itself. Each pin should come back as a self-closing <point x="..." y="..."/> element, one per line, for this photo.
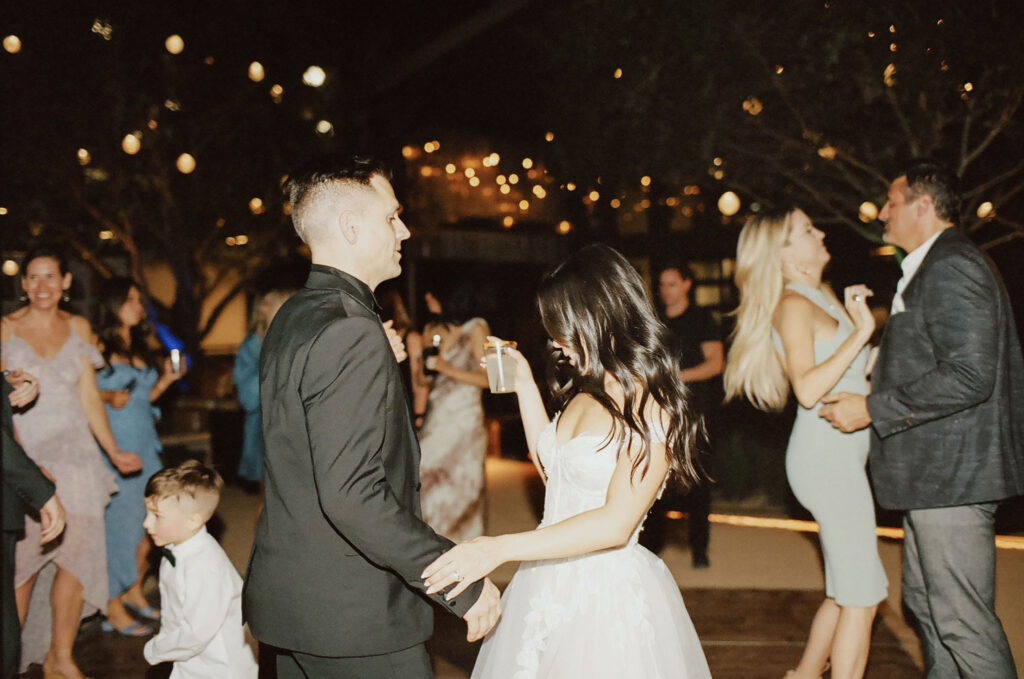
<point x="947" y="392"/>
<point x="340" y="545"/>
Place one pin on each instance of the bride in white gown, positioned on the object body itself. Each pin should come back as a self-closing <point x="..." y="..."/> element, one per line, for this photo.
<point x="588" y="601"/>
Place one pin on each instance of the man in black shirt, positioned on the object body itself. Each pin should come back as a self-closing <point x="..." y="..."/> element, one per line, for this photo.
<point x="697" y="342"/>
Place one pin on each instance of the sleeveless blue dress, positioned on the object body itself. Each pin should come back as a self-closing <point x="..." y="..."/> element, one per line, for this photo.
<point x="134" y="428"/>
<point x="826" y="470"/>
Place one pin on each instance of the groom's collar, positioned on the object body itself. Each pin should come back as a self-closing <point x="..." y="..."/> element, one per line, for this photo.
<point x="322" y="276"/>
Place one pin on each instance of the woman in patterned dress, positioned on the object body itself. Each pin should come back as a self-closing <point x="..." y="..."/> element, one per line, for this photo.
<point x="57" y="433"/>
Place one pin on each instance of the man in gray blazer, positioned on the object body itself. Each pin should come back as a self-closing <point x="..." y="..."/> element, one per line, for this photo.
<point x="947" y="412"/>
<point x="334" y="577"/>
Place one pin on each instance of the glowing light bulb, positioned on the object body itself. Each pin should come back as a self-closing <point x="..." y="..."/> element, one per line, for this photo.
<point x="314" y="76"/>
<point x="186" y="163"/>
<point x="729" y="204"/>
<point x="867" y="212"/>
<point x="256" y="72"/>
<point x="131" y="143"/>
<point x="12" y="44"/>
<point x="174" y="44"/>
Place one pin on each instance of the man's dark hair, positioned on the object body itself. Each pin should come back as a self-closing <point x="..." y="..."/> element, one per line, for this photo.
<point x="937" y="181"/>
<point x="679" y="265"/>
<point x="324" y="169"/>
<point x="319" y="177"/>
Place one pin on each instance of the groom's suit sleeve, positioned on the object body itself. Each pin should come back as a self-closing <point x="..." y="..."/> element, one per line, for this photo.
<point x="344" y="391"/>
<point x="958" y="299"/>
<point x="22" y="482"/>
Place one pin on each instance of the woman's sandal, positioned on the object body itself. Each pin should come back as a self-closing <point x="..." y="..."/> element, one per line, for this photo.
<point x="136" y="629"/>
<point x="146" y="612"/>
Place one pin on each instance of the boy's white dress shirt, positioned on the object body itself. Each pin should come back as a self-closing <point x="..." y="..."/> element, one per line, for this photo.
<point x="201" y="614"/>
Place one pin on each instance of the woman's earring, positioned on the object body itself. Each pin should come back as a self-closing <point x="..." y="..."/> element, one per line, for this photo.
<point x="23" y="297"/>
<point x="65" y="297"/>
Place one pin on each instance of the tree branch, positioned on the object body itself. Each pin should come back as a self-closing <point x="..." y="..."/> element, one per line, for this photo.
<point x="1000" y="125"/>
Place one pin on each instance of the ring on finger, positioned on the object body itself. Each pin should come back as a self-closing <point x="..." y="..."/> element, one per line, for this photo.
<point x="457" y="575"/>
<point x="858" y="298"/>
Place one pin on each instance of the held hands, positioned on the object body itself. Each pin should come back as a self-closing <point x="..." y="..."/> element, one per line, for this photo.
<point x="484" y="614"/>
<point x="26" y="388"/>
<point x="462" y="565"/>
<point x="116" y="399"/>
<point x="856" y="302"/>
<point x="845" y="411"/>
<point x="125" y="462"/>
<point x="51" y="517"/>
<point x="397" y="345"/>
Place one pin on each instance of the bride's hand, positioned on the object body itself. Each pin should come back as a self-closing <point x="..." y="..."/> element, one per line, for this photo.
<point x="523" y="372"/>
<point x="462" y="565"/>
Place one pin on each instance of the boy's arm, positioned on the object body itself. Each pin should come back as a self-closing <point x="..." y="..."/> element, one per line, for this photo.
<point x="206" y="602"/>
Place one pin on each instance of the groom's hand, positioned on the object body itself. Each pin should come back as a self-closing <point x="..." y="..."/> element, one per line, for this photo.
<point x="484" y="614"/>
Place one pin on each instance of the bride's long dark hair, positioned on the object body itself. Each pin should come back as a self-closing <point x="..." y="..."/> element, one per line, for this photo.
<point x="595" y="303"/>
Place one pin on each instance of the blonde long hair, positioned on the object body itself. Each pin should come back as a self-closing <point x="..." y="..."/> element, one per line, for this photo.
<point x="753" y="368"/>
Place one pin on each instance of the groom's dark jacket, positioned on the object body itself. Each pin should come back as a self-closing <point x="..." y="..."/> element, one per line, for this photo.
<point x="340" y="545"/>
<point x="947" y="391"/>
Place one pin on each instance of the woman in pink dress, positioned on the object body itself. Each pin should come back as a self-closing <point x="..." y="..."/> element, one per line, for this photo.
<point x="57" y="432"/>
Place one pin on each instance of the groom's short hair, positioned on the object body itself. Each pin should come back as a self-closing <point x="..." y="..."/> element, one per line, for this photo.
<point x="323" y="177"/>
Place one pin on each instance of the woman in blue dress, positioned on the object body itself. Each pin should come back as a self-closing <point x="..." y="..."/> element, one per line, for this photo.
<point x="129" y="384"/>
<point x="792" y="332"/>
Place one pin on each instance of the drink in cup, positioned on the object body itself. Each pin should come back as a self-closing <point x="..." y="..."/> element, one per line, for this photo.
<point x="501" y="366"/>
<point x="433" y="350"/>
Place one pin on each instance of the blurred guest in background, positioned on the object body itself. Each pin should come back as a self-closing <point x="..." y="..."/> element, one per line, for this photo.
<point x="696" y="341"/>
<point x="792" y="332"/>
<point x="453" y="440"/>
<point x="246" y="374"/>
<point x="129" y="384"/>
<point x="416" y="386"/>
<point x="57" y="433"/>
<point x="946" y="412"/>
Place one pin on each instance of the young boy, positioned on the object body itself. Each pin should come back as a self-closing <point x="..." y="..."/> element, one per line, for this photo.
<point x="200" y="590"/>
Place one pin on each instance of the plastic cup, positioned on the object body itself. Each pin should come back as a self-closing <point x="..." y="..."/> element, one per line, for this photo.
<point x="501" y="366"/>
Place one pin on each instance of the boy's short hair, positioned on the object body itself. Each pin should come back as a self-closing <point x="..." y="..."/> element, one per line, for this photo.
<point x="191" y="478"/>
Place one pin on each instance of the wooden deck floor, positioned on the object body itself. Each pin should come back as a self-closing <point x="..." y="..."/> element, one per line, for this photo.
<point x="746" y="633"/>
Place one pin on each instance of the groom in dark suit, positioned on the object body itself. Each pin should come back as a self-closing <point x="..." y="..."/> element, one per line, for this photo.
<point x="333" y="581"/>
<point x="947" y="411"/>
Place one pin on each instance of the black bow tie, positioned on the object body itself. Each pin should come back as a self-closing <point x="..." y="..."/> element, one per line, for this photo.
<point x="168" y="554"/>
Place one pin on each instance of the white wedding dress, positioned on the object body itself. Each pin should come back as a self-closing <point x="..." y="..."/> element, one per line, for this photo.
<point x="616" y="613"/>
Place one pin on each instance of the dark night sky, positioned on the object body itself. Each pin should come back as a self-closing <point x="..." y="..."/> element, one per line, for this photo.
<point x="489" y="85"/>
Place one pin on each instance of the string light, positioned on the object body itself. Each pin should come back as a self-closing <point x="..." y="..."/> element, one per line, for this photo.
<point x="985" y="210"/>
<point x="84" y="158"/>
<point x="867" y="212"/>
<point x="12" y="44"/>
<point x="314" y="76"/>
<point x="186" y="163"/>
<point x="729" y="203"/>
<point x="256" y="72"/>
<point x="174" y="44"/>
<point x="132" y="143"/>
